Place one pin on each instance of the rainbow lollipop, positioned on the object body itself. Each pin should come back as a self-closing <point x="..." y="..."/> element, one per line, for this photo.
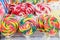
<point x="27" y="25"/>
<point x="51" y="25"/>
<point x="9" y="25"/>
<point x="54" y="25"/>
<point x="48" y="24"/>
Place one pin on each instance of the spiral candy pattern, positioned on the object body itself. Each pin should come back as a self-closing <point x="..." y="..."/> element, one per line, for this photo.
<point x="54" y="25"/>
<point x="48" y="24"/>
<point x="23" y="9"/>
<point x="51" y="25"/>
<point x="40" y="23"/>
<point x="42" y="8"/>
<point x="9" y="25"/>
<point x="27" y="26"/>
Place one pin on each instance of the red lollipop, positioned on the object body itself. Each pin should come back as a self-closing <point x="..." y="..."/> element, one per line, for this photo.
<point x="23" y="9"/>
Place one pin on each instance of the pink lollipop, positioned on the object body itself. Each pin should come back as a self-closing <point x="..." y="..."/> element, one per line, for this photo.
<point x="42" y="8"/>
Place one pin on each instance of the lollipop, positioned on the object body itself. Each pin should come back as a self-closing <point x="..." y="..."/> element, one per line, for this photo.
<point x="51" y="25"/>
<point x="48" y="23"/>
<point x="9" y="25"/>
<point x="54" y="25"/>
<point x="42" y="8"/>
<point x="23" y="9"/>
<point x="27" y="25"/>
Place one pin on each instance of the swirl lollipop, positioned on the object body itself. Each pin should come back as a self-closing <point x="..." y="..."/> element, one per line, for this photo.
<point x="48" y="23"/>
<point x="42" y="8"/>
<point x="27" y="25"/>
<point x="23" y="9"/>
<point x="54" y="25"/>
<point x="9" y="25"/>
<point x="51" y="25"/>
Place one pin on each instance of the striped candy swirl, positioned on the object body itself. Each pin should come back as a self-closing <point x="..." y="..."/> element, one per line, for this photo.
<point x="9" y="25"/>
<point x="27" y="25"/>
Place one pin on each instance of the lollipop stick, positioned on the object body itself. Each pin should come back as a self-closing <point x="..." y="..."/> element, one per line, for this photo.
<point x="28" y="38"/>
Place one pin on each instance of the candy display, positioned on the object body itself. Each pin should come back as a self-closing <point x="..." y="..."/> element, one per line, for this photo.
<point x="27" y="25"/>
<point x="29" y="17"/>
<point x="42" y="8"/>
<point x="9" y="25"/>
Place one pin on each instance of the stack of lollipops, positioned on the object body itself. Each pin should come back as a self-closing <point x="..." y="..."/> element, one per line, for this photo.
<point x="34" y="18"/>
